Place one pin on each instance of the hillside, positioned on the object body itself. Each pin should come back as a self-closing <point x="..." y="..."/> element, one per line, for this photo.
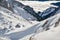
<point x="22" y="23"/>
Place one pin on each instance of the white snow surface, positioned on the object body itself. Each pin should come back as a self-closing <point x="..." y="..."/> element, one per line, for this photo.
<point x="39" y="6"/>
<point x="28" y="30"/>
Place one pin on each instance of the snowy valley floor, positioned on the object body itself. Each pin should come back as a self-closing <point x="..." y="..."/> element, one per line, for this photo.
<point x="48" y="29"/>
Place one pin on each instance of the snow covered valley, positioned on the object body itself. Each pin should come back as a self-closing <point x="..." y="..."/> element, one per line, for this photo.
<point x="24" y="22"/>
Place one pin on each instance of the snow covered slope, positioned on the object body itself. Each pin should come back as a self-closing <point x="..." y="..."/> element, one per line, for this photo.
<point x="51" y="28"/>
<point x="10" y="21"/>
<point x="45" y="30"/>
<point x="21" y="12"/>
<point x="39" y="6"/>
<point x="21" y="26"/>
<point x="52" y="34"/>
